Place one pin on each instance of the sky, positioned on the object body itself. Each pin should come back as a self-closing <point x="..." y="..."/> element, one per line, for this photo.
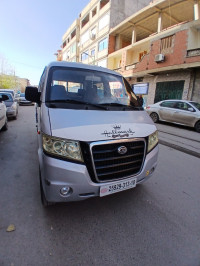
<point x="31" y="32"/>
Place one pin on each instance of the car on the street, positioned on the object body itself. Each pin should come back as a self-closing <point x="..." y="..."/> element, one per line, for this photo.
<point x="9" y="91"/>
<point x="181" y="112"/>
<point x="11" y="105"/>
<point x="3" y="117"/>
<point x="23" y="101"/>
<point x="13" y="92"/>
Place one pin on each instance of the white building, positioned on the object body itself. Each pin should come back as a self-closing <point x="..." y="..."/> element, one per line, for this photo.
<point x="87" y="39"/>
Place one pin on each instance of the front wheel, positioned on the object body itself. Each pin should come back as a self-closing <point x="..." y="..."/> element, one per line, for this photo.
<point x="5" y="127"/>
<point x="197" y="126"/>
<point x="154" y="117"/>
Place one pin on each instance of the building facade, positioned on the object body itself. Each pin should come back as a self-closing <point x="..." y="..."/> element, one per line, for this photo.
<point x="87" y="39"/>
<point x="158" y="50"/>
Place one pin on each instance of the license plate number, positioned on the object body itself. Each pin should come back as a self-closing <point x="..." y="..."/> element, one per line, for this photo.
<point x="117" y="187"/>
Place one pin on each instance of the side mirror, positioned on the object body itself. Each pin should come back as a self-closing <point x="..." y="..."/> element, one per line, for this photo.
<point x="32" y="94"/>
<point x="191" y="109"/>
<point x="4" y="97"/>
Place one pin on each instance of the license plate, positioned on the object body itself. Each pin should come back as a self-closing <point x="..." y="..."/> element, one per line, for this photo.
<point x="117" y="187"/>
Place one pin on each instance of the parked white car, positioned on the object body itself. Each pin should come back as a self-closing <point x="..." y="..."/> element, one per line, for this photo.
<point x="11" y="105"/>
<point x="176" y="111"/>
<point x="3" y="117"/>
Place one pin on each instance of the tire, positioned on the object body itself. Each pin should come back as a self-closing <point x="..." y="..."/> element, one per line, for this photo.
<point x="154" y="117"/>
<point x="16" y="115"/>
<point x="197" y="126"/>
<point x="5" y="127"/>
<point x="44" y="201"/>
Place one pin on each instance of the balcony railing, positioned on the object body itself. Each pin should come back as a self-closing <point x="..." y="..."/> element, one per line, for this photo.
<point x="193" y="52"/>
<point x="118" y="69"/>
<point x="128" y="67"/>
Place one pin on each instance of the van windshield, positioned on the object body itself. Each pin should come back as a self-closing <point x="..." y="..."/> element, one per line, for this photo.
<point x="81" y="86"/>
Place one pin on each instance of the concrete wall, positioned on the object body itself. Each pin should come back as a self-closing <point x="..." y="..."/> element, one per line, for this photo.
<point x="121" y="9"/>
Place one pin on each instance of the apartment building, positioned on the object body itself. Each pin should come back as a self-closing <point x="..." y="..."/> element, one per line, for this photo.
<point x="158" y="50"/>
<point x="87" y="39"/>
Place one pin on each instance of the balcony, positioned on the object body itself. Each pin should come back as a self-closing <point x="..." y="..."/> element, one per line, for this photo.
<point x="193" y="52"/>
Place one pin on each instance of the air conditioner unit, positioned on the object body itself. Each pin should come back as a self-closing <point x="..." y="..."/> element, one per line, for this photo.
<point x="159" y="58"/>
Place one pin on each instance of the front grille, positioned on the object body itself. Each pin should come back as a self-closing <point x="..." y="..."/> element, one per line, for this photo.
<point x="109" y="165"/>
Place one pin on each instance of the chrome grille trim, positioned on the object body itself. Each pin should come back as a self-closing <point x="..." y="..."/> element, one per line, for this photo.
<point x="123" y="160"/>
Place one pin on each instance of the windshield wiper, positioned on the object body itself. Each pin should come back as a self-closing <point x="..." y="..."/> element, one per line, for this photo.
<point x="77" y="101"/>
<point x="122" y="105"/>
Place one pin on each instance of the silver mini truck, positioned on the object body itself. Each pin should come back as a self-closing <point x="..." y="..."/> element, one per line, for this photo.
<point x="94" y="139"/>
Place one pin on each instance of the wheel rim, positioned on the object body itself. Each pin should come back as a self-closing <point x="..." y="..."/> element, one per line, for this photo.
<point x="197" y="127"/>
<point x="154" y="117"/>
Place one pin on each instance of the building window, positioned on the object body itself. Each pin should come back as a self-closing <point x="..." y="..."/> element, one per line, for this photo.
<point x="93" y="34"/>
<point x="140" y="79"/>
<point x="93" y="52"/>
<point x="103" y="3"/>
<point x="104" y="21"/>
<point x="102" y="63"/>
<point x="166" y="43"/>
<point x="94" y="11"/>
<point x="85" y="21"/>
<point x="73" y="34"/>
<point x="73" y="48"/>
<point x="64" y="44"/>
<point x="103" y="44"/>
<point x="68" y="55"/>
<point x="85" y="37"/>
<point x="84" y="56"/>
<point x="73" y="59"/>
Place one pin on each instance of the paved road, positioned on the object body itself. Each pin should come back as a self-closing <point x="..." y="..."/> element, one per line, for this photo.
<point x="154" y="224"/>
<point x="179" y="137"/>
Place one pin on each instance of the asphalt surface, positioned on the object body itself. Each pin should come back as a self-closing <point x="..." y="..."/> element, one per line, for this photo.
<point x="179" y="137"/>
<point x="157" y="223"/>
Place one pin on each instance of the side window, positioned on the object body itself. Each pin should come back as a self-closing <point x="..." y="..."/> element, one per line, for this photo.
<point x="74" y="87"/>
<point x="168" y="104"/>
<point x="42" y="81"/>
<point x="182" y="106"/>
<point x="100" y="89"/>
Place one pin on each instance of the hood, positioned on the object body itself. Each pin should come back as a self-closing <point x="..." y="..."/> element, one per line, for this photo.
<point x="8" y="104"/>
<point x="92" y="125"/>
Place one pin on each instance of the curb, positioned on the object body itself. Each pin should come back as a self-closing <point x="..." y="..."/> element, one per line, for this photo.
<point x="179" y="148"/>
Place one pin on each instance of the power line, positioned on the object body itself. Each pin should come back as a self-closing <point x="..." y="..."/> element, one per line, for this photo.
<point x="26" y="64"/>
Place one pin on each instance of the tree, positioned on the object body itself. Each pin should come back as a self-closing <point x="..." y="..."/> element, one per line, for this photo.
<point x="8" y="80"/>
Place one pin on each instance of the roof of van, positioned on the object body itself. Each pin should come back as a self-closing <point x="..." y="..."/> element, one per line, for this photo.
<point x="83" y="66"/>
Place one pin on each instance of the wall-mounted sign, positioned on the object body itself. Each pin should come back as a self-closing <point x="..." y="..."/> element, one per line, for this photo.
<point x="140" y="88"/>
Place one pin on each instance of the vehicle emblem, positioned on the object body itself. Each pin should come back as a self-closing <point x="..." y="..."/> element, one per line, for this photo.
<point x="122" y="150"/>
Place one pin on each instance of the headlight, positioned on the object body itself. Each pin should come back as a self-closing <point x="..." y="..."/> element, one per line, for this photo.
<point x="62" y="148"/>
<point x="152" y="141"/>
<point x="12" y="108"/>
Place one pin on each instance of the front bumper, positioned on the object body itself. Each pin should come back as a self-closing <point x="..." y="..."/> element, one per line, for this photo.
<point x="11" y="113"/>
<point x="57" y="174"/>
<point x="25" y="103"/>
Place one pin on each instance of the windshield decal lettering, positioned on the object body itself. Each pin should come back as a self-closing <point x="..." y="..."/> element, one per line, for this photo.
<point x="117" y="132"/>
